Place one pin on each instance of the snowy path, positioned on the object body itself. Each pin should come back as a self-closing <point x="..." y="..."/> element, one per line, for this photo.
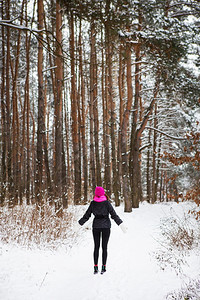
<point x="132" y="273"/>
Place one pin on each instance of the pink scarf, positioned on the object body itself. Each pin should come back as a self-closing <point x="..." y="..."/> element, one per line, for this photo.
<point x="100" y="199"/>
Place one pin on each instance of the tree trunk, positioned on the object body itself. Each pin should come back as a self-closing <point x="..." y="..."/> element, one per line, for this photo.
<point x="91" y="107"/>
<point x="96" y="134"/>
<point x="3" y="117"/>
<point x="158" y="167"/>
<point x="33" y="160"/>
<point x="95" y="111"/>
<point x="125" y="122"/>
<point x="115" y="173"/>
<point x="105" y="151"/>
<point x="106" y="138"/>
<point x="15" y="123"/>
<point x="45" y="147"/>
<point x="148" y="182"/>
<point x="121" y="84"/>
<point x="83" y="138"/>
<point x="39" y="162"/>
<point x="64" y="179"/>
<point x="154" y="192"/>
<point x="74" y="110"/>
<point x="134" y="153"/>
<point x="27" y="101"/>
<point x="8" y="112"/>
<point x="23" y="158"/>
<point x="135" y="169"/>
<point x="67" y="143"/>
<point x="58" y="111"/>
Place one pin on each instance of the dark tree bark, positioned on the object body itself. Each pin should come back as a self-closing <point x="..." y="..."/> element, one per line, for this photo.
<point x="39" y="162"/>
<point x="27" y="101"/>
<point x="148" y="175"/>
<point x="91" y="108"/>
<point x="58" y="111"/>
<point x="96" y="121"/>
<point x="8" y="110"/>
<point x="121" y="85"/>
<point x="154" y="189"/>
<point x="106" y="109"/>
<point x="83" y="117"/>
<point x="115" y="173"/>
<point x="15" y="122"/>
<point x="3" y="116"/>
<point x="125" y="122"/>
<point x="74" y="110"/>
<point x="134" y="152"/>
<point x="158" y="167"/>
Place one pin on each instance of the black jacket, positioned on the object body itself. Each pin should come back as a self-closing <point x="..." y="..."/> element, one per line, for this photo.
<point x="101" y="211"/>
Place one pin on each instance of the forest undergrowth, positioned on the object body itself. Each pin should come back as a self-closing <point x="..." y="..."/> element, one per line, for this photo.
<point x="178" y="242"/>
<point x="28" y="227"/>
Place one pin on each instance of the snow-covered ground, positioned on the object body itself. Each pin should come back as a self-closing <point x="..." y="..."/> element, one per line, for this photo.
<point x="132" y="271"/>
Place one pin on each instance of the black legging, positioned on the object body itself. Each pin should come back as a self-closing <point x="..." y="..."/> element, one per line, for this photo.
<point x="105" y="237"/>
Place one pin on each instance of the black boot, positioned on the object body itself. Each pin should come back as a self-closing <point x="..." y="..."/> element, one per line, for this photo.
<point x="95" y="269"/>
<point x="103" y="269"/>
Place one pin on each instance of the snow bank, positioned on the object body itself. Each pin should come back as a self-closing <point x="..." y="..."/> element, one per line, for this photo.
<point x="132" y="271"/>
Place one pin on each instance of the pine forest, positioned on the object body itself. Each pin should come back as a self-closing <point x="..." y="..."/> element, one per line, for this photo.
<point x="100" y="149"/>
<point x="99" y="93"/>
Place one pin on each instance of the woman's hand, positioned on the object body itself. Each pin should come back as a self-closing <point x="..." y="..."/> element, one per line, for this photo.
<point x="123" y="228"/>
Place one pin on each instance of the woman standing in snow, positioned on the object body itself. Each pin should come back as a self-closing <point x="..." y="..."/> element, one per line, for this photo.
<point x="101" y="208"/>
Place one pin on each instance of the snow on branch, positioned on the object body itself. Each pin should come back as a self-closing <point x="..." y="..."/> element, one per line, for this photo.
<point x="166" y="134"/>
<point x="145" y="146"/>
<point x="48" y="69"/>
<point x="19" y="27"/>
<point x="183" y="3"/>
<point x="9" y="21"/>
<point x="139" y="62"/>
<point x="34" y="32"/>
<point x="184" y="13"/>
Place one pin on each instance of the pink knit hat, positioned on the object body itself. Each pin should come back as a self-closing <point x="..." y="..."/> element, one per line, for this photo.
<point x="99" y="194"/>
<point x="99" y="191"/>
